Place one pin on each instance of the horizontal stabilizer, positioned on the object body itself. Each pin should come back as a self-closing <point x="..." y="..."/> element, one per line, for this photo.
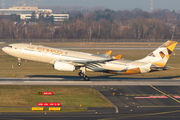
<point x="156" y="68"/>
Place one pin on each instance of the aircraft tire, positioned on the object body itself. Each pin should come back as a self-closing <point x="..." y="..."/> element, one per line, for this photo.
<point x="19" y="64"/>
<point x="81" y="74"/>
<point x="86" y="78"/>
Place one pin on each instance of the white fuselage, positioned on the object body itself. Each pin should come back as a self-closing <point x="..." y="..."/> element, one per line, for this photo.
<point x="50" y="55"/>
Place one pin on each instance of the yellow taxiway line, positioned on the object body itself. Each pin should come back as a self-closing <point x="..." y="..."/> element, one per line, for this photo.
<point x="164" y="93"/>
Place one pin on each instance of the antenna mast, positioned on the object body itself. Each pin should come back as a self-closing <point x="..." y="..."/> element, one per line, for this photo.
<point x="3" y="5"/>
<point x="151" y="6"/>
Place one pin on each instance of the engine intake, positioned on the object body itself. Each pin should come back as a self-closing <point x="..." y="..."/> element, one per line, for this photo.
<point x="63" y="66"/>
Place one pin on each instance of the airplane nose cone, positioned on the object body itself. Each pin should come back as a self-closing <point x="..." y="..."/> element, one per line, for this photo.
<point x="3" y="49"/>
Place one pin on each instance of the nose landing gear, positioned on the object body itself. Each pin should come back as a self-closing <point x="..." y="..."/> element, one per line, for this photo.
<point x="19" y="62"/>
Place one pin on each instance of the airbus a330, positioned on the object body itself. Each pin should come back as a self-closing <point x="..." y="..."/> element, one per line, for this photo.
<point x="66" y="60"/>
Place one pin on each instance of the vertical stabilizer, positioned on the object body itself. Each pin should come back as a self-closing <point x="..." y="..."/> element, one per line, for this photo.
<point x="161" y="55"/>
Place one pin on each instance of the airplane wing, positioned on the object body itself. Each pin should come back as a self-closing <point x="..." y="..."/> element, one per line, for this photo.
<point x="92" y="61"/>
<point x="86" y="62"/>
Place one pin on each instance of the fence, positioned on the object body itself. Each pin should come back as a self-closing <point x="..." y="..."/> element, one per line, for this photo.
<point x="83" y="40"/>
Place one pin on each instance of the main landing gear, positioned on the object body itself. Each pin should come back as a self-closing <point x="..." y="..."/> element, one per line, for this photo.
<point x="19" y="62"/>
<point x="82" y="73"/>
<point x="84" y="76"/>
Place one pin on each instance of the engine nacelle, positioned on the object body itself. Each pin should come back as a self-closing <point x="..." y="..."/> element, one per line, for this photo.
<point x="63" y="66"/>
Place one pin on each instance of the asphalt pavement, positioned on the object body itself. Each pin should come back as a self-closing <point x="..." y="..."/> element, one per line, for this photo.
<point x="110" y="48"/>
<point x="142" y="101"/>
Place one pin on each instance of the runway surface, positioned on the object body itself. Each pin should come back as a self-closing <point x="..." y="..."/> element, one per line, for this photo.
<point x="94" y="81"/>
<point x="114" y="48"/>
<point x="136" y="99"/>
<point x="111" y="48"/>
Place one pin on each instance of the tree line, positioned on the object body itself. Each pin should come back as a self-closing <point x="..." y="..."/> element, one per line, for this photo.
<point x="99" y="24"/>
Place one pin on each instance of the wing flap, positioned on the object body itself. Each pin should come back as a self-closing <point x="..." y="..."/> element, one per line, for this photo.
<point x="86" y="62"/>
<point x="91" y="61"/>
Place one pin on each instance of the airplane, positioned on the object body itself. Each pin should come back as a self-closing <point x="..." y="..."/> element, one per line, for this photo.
<point x="66" y="60"/>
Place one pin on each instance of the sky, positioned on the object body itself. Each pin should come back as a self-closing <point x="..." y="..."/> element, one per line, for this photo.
<point x="111" y="4"/>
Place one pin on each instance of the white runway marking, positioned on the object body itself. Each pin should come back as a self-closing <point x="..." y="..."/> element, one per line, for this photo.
<point x="81" y="82"/>
<point x="6" y="83"/>
<point x="100" y="82"/>
<point x="120" y="83"/>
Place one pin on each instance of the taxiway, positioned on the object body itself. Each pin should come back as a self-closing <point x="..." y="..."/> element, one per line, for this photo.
<point x="132" y="98"/>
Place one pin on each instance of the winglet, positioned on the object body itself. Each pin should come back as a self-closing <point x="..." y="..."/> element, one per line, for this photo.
<point x="118" y="57"/>
<point x="108" y="53"/>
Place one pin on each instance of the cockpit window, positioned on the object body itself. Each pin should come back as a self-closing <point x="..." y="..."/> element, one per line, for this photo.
<point x="9" y="46"/>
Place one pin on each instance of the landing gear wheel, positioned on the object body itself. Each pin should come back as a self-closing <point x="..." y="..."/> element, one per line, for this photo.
<point x="19" y="64"/>
<point x="86" y="78"/>
<point x="81" y="74"/>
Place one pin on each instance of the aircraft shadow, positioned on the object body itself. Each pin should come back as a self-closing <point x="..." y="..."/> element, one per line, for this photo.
<point x="96" y="78"/>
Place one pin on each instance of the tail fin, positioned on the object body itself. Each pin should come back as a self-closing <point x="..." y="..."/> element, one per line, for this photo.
<point x="161" y="55"/>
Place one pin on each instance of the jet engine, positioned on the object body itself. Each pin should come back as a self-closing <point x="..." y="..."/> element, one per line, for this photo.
<point x="63" y="66"/>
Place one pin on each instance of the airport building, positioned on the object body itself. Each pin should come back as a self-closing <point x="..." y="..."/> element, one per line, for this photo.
<point x="25" y="12"/>
<point x="57" y="17"/>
